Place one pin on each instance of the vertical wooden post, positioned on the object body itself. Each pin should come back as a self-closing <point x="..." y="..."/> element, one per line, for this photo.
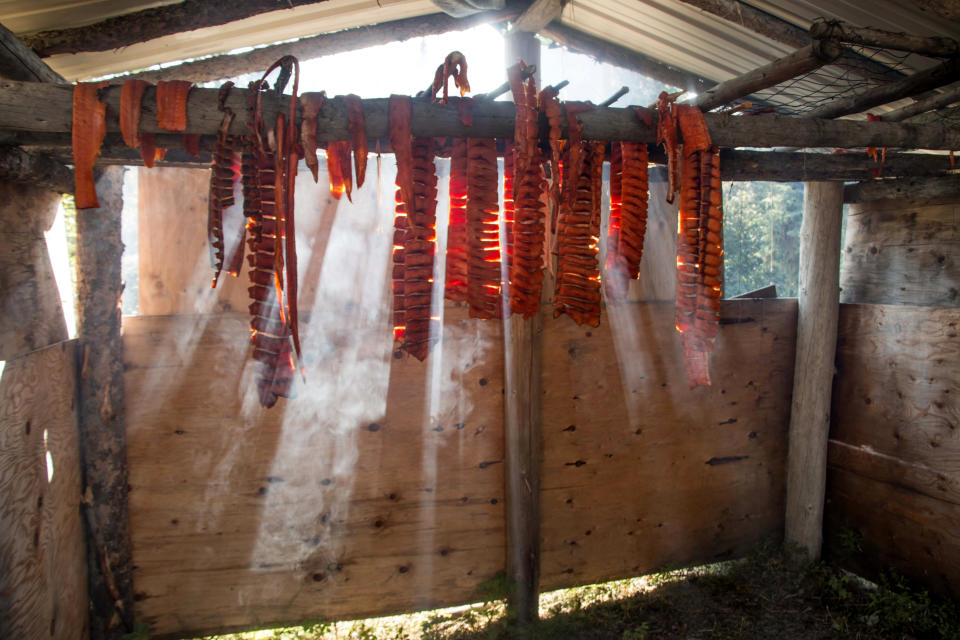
<point x="813" y="372"/>
<point x="522" y="427"/>
<point x="101" y="410"/>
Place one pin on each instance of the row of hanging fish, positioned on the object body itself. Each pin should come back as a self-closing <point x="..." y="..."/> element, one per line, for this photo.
<point x="551" y="208"/>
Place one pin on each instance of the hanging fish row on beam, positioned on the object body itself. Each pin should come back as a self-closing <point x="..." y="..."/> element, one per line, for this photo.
<point x="551" y="217"/>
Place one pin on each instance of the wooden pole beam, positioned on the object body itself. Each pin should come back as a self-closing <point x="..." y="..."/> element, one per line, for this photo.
<point x="522" y="425"/>
<point x="46" y="108"/>
<point x="919" y="82"/>
<point x="930" y="103"/>
<point x="101" y="410"/>
<point x="230" y="66"/>
<point x="18" y="62"/>
<point x="148" y="24"/>
<point x="778" y="166"/>
<point x="818" y="309"/>
<point x="908" y="187"/>
<point x="537" y="15"/>
<point x="779" y="30"/>
<point x="803" y="60"/>
<point x="605" y="51"/>
<point x="933" y="46"/>
<point x="949" y="9"/>
<point x="41" y="170"/>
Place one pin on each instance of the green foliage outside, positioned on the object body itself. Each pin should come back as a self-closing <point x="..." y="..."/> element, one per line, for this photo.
<point x="761" y="236"/>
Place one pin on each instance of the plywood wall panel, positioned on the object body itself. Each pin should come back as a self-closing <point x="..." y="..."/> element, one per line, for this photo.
<point x="639" y="470"/>
<point x="377" y="490"/>
<point x="902" y="252"/>
<point x="43" y="562"/>
<point x="894" y="487"/>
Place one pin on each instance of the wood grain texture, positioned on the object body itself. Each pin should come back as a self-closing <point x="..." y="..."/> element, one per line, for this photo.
<point x="818" y="308"/>
<point x="895" y="527"/>
<point x="898" y="386"/>
<point x="43" y="576"/>
<point x="31" y="316"/>
<point x="902" y="251"/>
<point x="641" y="472"/>
<point x="894" y="449"/>
<point x="379" y="489"/>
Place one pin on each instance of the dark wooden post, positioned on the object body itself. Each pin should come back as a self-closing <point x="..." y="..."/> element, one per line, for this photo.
<point x="819" y="304"/>
<point x="524" y="346"/>
<point x="101" y="410"/>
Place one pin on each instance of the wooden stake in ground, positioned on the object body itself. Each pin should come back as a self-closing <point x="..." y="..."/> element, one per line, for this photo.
<point x="101" y="410"/>
<point x="813" y="371"/>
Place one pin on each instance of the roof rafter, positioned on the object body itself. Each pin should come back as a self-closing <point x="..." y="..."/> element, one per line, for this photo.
<point x="227" y="66"/>
<point x="537" y="15"/>
<point x="18" y="62"/>
<point x="148" y="24"/>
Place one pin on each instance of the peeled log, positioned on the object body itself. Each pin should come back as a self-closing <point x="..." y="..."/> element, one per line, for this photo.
<point x="818" y="309"/>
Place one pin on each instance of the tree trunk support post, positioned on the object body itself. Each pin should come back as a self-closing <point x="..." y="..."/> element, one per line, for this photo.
<point x="522" y="427"/>
<point x="101" y="410"/>
<point x="819" y="295"/>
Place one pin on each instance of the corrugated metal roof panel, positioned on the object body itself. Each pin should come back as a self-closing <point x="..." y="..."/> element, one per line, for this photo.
<point x="268" y="28"/>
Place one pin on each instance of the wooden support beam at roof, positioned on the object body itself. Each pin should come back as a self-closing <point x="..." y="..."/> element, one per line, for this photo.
<point x="934" y="46"/>
<point x="780" y="30"/>
<point x="537" y="15"/>
<point x="615" y="54"/>
<point x="140" y="26"/>
<point x="47" y="108"/>
<point x="18" y="62"/>
<point x="42" y="170"/>
<point x="919" y="82"/>
<point x="931" y="103"/>
<point x="802" y="61"/>
<point x="229" y="66"/>
<point x="908" y="187"/>
<point x="949" y="9"/>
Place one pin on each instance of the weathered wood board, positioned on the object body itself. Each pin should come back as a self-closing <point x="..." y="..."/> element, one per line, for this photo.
<point x="902" y="251"/>
<point x="642" y="472"/>
<point x="379" y="489"/>
<point x="31" y="316"/>
<point x="895" y="449"/>
<point x="43" y="563"/>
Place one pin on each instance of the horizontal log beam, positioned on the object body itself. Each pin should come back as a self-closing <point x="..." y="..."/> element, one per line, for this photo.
<point x="930" y="103"/>
<point x="22" y="166"/>
<point x="231" y="66"/>
<point x="779" y="30"/>
<point x="933" y="46"/>
<point x="919" y="82"/>
<point x="605" y="51"/>
<point x="18" y="62"/>
<point x="46" y="108"/>
<point x="148" y="24"/>
<point x="537" y="15"/>
<point x="779" y="166"/>
<point x="915" y="187"/>
<point x="802" y="61"/>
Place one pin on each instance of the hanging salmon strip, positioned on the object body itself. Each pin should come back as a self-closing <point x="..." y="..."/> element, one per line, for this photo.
<point x="172" y="104"/>
<point x="89" y="127"/>
<point x="311" y="104"/>
<point x="131" y="98"/>
<point x="356" y="123"/>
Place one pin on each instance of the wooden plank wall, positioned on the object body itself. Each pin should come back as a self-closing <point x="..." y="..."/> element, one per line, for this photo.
<point x="893" y="492"/>
<point x="639" y="470"/>
<point x="380" y="488"/>
<point x="894" y="479"/>
<point x="43" y="562"/>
